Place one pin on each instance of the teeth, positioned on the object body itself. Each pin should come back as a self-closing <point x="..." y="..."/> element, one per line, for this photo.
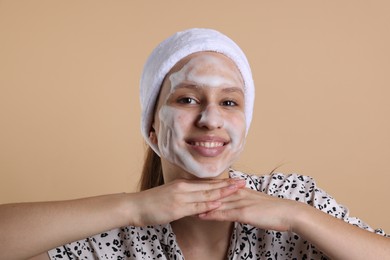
<point x="208" y="144"/>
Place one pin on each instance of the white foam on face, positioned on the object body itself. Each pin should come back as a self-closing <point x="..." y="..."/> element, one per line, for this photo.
<point x="211" y="115"/>
<point x="172" y="145"/>
<point x="207" y="71"/>
<point x="201" y="79"/>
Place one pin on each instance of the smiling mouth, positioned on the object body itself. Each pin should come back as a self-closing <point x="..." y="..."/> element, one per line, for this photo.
<point x="208" y="144"/>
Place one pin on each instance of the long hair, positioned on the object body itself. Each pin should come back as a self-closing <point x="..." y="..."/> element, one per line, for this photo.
<point x="152" y="175"/>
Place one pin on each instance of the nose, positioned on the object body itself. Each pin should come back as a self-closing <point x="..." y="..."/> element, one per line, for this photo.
<point x="210" y="118"/>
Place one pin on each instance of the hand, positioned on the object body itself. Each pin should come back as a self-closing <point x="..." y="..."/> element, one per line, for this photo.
<point x="179" y="199"/>
<point x="256" y="209"/>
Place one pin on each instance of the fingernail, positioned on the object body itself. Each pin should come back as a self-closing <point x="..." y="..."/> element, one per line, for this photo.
<point x="202" y="215"/>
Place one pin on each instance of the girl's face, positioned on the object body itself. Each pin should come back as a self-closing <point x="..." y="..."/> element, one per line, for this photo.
<point x="199" y="121"/>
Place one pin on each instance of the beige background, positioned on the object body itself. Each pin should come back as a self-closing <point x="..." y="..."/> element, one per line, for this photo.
<point x="69" y="108"/>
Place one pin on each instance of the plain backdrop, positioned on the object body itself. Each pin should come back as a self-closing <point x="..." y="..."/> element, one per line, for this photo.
<point x="69" y="84"/>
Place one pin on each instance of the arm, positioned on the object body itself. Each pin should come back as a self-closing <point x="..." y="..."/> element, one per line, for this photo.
<point x="338" y="239"/>
<point x="29" y="229"/>
<point x="334" y="237"/>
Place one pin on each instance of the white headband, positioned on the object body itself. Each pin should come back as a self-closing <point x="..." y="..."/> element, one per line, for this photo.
<point x="177" y="47"/>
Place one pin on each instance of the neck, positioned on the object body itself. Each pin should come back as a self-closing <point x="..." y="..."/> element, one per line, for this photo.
<point x="199" y="237"/>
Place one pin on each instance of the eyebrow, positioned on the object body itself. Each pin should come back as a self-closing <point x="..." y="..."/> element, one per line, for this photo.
<point x="189" y="86"/>
<point x="233" y="89"/>
<point x="225" y="90"/>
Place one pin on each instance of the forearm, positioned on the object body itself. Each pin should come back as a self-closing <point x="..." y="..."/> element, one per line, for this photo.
<point x="338" y="239"/>
<point x="27" y="229"/>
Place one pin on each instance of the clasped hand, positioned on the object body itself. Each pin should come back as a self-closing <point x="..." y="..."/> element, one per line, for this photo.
<point x="220" y="200"/>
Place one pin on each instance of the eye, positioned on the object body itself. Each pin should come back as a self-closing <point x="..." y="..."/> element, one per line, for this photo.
<point x="229" y="103"/>
<point x="187" y="100"/>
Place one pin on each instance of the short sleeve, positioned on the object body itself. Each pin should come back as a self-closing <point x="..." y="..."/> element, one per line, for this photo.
<point x="84" y="249"/>
<point x="150" y="242"/>
<point x="304" y="189"/>
<point x="107" y="245"/>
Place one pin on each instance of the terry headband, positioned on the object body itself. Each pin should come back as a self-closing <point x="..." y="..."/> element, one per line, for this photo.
<point x="177" y="47"/>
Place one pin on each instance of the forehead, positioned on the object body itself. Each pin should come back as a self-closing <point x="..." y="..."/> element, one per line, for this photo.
<point x="207" y="69"/>
<point x="207" y="62"/>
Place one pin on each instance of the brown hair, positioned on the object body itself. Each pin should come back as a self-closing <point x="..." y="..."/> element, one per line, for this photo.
<point x="152" y="175"/>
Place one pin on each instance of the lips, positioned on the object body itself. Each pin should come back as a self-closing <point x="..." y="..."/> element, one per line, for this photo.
<point x="208" y="146"/>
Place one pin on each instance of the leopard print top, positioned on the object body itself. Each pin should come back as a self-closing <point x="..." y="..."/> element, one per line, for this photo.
<point x="247" y="242"/>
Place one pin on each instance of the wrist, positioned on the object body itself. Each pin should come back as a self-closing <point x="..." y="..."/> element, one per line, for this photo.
<point x="299" y="217"/>
<point x="126" y="209"/>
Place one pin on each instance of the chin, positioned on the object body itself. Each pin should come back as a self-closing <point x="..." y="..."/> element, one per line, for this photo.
<point x="208" y="174"/>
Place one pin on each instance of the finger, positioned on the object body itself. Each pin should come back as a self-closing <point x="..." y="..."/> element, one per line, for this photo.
<point x="200" y="185"/>
<point x="243" y="194"/>
<point x="228" y="210"/>
<point x="215" y="194"/>
<point x="221" y="215"/>
<point x="199" y="207"/>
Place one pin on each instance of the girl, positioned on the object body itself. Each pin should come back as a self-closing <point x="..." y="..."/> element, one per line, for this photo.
<point x="197" y="98"/>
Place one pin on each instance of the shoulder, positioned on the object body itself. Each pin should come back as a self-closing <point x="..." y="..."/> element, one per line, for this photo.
<point x="301" y="188"/>
<point x="278" y="184"/>
<point x="126" y="241"/>
<point x="294" y="187"/>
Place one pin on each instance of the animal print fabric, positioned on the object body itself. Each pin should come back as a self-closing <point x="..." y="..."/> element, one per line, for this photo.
<point x="247" y="242"/>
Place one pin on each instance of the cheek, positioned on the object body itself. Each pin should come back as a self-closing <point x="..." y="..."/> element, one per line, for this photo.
<point x="236" y="127"/>
<point x="180" y="118"/>
<point x="237" y="119"/>
<point x="174" y="121"/>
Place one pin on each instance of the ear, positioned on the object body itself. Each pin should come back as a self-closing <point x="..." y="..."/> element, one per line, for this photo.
<point x="153" y="136"/>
